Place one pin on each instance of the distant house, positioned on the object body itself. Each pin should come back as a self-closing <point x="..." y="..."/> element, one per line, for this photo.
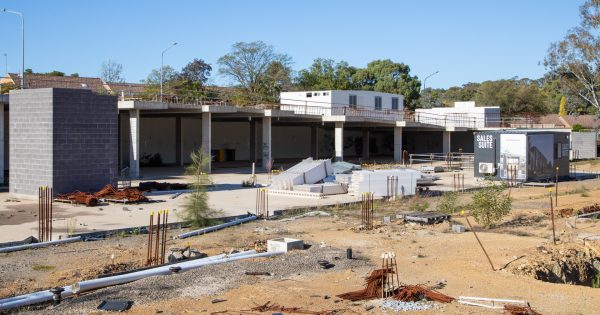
<point x="586" y="121"/>
<point x="39" y="81"/>
<point x="344" y="98"/>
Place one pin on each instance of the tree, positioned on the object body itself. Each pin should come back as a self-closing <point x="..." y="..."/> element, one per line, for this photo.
<point x="55" y="73"/>
<point x="247" y="64"/>
<point x="75" y="75"/>
<point x="513" y="96"/>
<point x="490" y="204"/>
<point x="196" y="71"/>
<point x="563" y="102"/>
<point x="278" y="77"/>
<point x="326" y="74"/>
<point x="390" y="77"/>
<point x="111" y="71"/>
<point x="577" y="57"/>
<point x="197" y="211"/>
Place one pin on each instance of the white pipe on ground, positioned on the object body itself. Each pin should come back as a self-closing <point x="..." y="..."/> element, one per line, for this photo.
<point x="37" y="245"/>
<point x="216" y="227"/>
<point x="44" y="296"/>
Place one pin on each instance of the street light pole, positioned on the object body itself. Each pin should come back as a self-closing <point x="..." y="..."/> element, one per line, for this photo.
<point x="427" y="77"/>
<point x="22" y="44"/>
<point x="162" y="62"/>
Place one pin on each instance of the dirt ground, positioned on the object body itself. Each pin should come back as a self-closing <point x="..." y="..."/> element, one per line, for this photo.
<point x="431" y="255"/>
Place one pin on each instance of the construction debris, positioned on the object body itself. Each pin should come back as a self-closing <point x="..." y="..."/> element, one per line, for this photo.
<point x="342" y="167"/>
<point x="520" y="310"/>
<point x="424" y="217"/>
<point x="400" y="306"/>
<point x="308" y="171"/>
<point x="568" y="212"/>
<point x="273" y="307"/>
<point x="108" y="193"/>
<point x="162" y="186"/>
<point x="115" y="305"/>
<point x="373" y="287"/>
<point x="413" y="293"/>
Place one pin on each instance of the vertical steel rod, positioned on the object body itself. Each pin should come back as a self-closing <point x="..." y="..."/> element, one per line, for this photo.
<point x="480" y="244"/>
<point x="157" y="238"/>
<point x="552" y="214"/>
<point x="149" y="256"/>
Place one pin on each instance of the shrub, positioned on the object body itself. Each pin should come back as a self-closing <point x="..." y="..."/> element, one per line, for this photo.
<point x="196" y="211"/>
<point x="489" y="204"/>
<point x="449" y="203"/>
<point x="577" y="127"/>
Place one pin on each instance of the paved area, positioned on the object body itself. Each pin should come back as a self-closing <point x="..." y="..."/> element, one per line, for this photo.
<point x="18" y="217"/>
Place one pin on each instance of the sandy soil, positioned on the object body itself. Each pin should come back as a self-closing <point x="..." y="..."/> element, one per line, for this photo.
<point x="430" y="255"/>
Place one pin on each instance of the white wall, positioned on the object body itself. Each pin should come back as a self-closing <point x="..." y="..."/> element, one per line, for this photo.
<point x="463" y="114"/>
<point x="340" y="98"/>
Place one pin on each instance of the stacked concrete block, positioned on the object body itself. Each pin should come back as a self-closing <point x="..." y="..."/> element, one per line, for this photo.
<point x="308" y="171"/>
<point x="64" y="138"/>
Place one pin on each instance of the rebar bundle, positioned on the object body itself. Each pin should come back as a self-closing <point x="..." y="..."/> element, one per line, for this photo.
<point x="458" y="183"/>
<point x="392" y="187"/>
<point x="157" y="239"/>
<point x="45" y="194"/>
<point x="366" y="207"/>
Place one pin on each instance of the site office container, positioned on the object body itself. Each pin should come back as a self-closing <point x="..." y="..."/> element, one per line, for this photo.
<point x="535" y="154"/>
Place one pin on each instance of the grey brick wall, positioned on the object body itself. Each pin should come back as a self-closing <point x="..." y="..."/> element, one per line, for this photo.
<point x="64" y="138"/>
<point x="583" y="145"/>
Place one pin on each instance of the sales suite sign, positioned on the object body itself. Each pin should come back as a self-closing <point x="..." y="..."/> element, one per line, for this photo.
<point x="485" y="141"/>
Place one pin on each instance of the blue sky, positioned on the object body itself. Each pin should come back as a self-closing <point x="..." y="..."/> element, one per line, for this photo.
<point x="467" y="41"/>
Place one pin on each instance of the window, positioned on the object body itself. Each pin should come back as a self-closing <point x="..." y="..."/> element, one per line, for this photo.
<point x="317" y="94"/>
<point x="394" y="103"/>
<point x="325" y="93"/>
<point x="378" y="102"/>
<point x="308" y="94"/>
<point x="352" y="101"/>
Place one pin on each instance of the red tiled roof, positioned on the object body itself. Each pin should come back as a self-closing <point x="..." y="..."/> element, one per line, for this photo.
<point x="39" y="81"/>
<point x="586" y="121"/>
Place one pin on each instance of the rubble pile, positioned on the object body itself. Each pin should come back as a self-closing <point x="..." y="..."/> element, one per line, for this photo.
<point x="569" y="264"/>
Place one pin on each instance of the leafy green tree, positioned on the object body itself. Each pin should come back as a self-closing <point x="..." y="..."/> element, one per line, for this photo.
<point x="278" y="77"/>
<point x="449" y="203"/>
<point x="197" y="71"/>
<point x="489" y="204"/>
<point x="197" y="211"/>
<point x="513" y="96"/>
<point x="248" y="64"/>
<point x="326" y="74"/>
<point x="390" y="77"/>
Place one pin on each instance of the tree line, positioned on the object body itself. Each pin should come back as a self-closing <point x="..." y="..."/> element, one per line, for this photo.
<point x="258" y="73"/>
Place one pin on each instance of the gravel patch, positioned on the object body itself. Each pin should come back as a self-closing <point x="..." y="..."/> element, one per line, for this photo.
<point x="212" y="280"/>
<point x="400" y="306"/>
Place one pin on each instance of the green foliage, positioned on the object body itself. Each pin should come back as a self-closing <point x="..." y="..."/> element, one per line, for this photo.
<point x="326" y="74"/>
<point x="489" y="204"/>
<point x="196" y="212"/>
<point x="577" y="128"/>
<point x="562" y="107"/>
<point x="256" y="68"/>
<point x="596" y="281"/>
<point x="417" y="204"/>
<point x="449" y="203"/>
<point x="390" y="77"/>
<point x="513" y="96"/>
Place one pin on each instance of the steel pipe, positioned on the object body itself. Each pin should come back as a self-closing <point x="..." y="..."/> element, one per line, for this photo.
<point x="83" y="286"/>
<point x="37" y="245"/>
<point x="217" y="227"/>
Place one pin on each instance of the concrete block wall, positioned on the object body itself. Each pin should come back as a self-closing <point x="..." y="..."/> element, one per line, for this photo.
<point x="64" y="138"/>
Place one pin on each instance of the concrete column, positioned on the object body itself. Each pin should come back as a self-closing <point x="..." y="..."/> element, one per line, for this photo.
<point x="397" y="144"/>
<point x="339" y="141"/>
<point x="134" y="143"/>
<point x="365" y="142"/>
<point x="252" y="140"/>
<point x="2" y="141"/>
<point x="178" y="141"/>
<point x="314" y="142"/>
<point x="266" y="143"/>
<point x="446" y="142"/>
<point x="206" y="137"/>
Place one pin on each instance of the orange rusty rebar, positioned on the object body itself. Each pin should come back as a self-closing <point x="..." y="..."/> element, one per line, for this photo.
<point x="157" y="237"/>
<point x="150" y="232"/>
